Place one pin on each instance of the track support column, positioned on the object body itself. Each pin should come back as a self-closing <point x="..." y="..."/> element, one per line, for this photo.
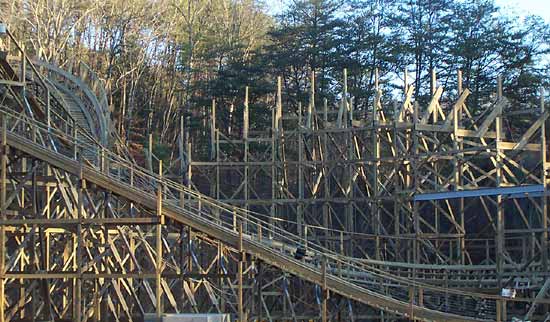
<point x="325" y="295"/>
<point x="241" y="261"/>
<point x="159" y="309"/>
<point x="3" y="174"/>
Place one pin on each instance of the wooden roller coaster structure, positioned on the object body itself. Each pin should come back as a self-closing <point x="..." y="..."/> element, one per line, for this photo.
<point x="396" y="212"/>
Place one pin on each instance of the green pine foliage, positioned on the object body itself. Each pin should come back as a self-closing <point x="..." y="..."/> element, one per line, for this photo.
<point x="163" y="59"/>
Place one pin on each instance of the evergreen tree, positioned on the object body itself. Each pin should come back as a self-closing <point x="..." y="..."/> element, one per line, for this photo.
<point x="420" y="36"/>
<point x="305" y="42"/>
<point x="364" y="47"/>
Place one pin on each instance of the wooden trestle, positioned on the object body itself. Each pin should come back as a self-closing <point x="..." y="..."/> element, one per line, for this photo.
<point x="400" y="210"/>
<point x="403" y="185"/>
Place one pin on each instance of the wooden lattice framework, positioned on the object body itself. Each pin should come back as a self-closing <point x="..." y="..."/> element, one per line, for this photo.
<point x="442" y="191"/>
<point x="378" y="202"/>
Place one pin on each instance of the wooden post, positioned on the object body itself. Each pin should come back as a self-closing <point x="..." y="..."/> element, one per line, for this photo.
<point x="300" y="206"/>
<point x="189" y="250"/>
<point x="102" y="161"/>
<point x="214" y="184"/>
<point x="78" y="295"/>
<point x="33" y="255"/>
<point x="150" y="152"/>
<point x="376" y="164"/>
<point x="246" y="153"/>
<point x="435" y="166"/>
<point x="546" y="181"/>
<point x="324" y="290"/>
<point x="48" y="112"/>
<point x="274" y="153"/>
<point x="345" y="89"/>
<point x="305" y="237"/>
<point x="213" y="130"/>
<point x="500" y="207"/>
<point x="311" y="105"/>
<point x="75" y="138"/>
<point x="241" y="262"/>
<point x="158" y="271"/>
<point x="416" y="215"/>
<point x="259" y="278"/>
<point x="350" y="204"/>
<point x="23" y="76"/>
<point x="97" y="307"/>
<point x="341" y="253"/>
<point x="189" y="163"/>
<point x="457" y="160"/>
<point x="326" y="184"/>
<point x="411" y="303"/>
<point x="183" y="161"/>
<point x="3" y="175"/>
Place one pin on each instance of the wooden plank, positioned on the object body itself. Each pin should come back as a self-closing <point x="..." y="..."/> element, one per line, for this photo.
<point x="11" y="83"/>
<point x="434" y="104"/>
<point x="475" y="134"/>
<point x="514" y="146"/>
<point x="458" y="105"/>
<point x="497" y="110"/>
<point x="158" y="244"/>
<point x="531" y="131"/>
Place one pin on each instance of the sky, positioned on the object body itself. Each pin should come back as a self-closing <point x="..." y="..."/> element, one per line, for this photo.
<point x="520" y="7"/>
<point x="275" y="6"/>
<point x="526" y="7"/>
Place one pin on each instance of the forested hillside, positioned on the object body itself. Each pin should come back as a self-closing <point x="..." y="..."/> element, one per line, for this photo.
<point x="164" y="58"/>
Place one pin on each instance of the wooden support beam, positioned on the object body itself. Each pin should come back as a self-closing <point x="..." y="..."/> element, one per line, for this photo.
<point x="150" y="152"/>
<point x="433" y="106"/>
<point x="545" y="177"/>
<point x="246" y="178"/>
<point x="531" y="131"/>
<point x="79" y="247"/>
<point x="242" y="259"/>
<point x="324" y="290"/>
<point x="500" y="238"/>
<point x="498" y="107"/>
<point x="311" y="105"/>
<point x="3" y="185"/>
<point x="158" y="243"/>
<point x="213" y="130"/>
